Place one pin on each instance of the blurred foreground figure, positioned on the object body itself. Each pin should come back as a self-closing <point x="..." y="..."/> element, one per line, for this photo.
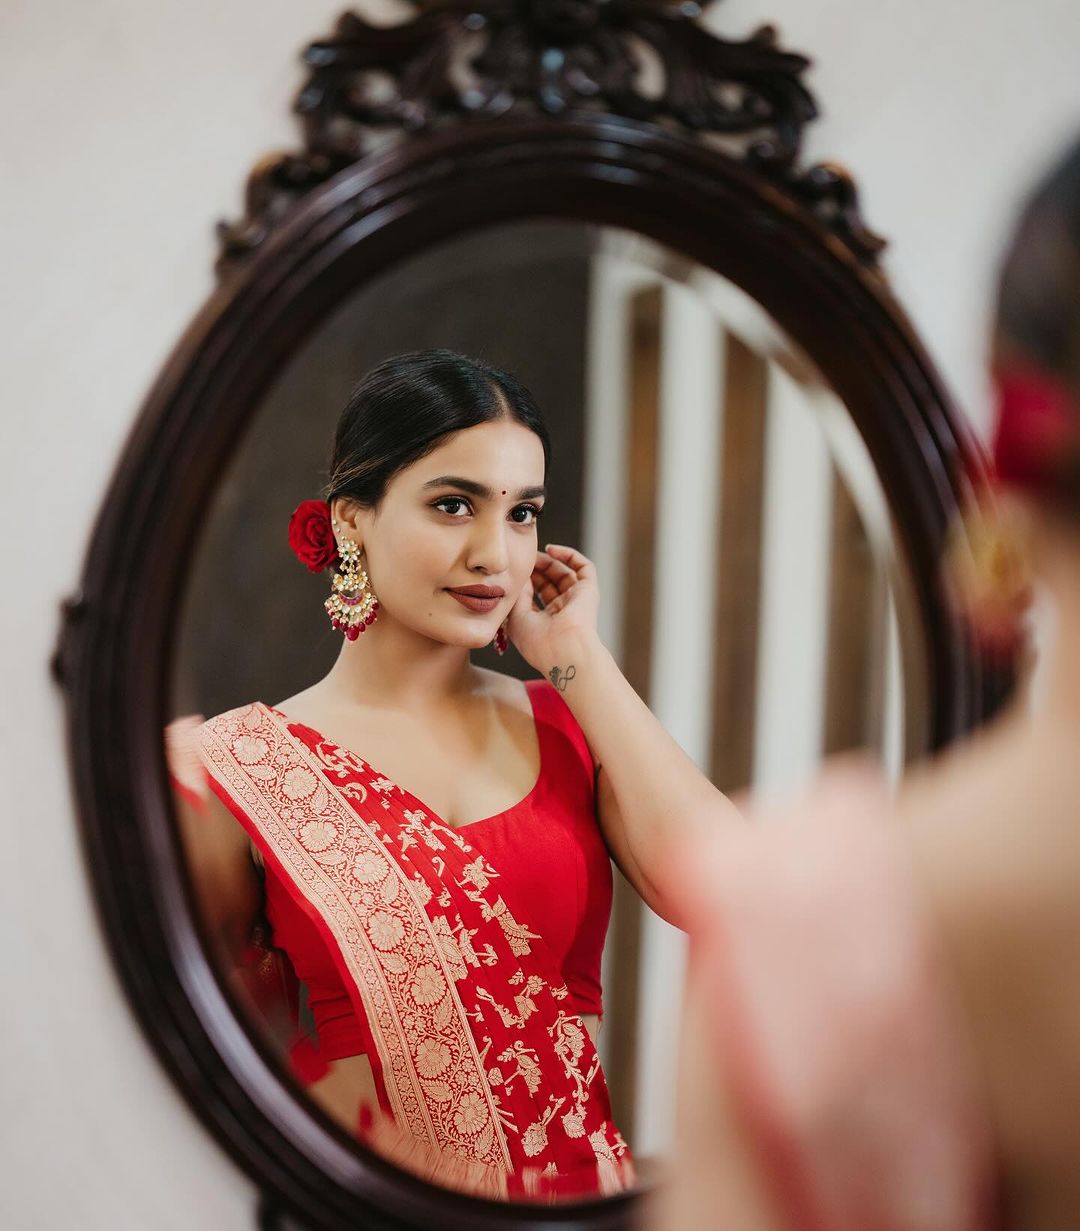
<point x="883" y="1017"/>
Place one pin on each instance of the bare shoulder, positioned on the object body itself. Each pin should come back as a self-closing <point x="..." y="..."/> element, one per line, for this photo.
<point x="504" y="689"/>
<point x="996" y="854"/>
<point x="990" y="830"/>
<point x="306" y="706"/>
<point x="351" y="721"/>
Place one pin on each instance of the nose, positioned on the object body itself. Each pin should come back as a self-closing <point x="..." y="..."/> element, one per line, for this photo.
<point x="488" y="550"/>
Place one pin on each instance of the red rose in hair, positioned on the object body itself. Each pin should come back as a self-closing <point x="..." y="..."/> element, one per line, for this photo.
<point x="311" y="535"/>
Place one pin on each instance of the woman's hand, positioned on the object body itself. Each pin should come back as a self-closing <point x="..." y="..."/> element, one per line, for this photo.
<point x="565" y="582"/>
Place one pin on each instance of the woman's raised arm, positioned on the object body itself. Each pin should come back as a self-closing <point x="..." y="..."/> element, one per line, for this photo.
<point x="653" y="797"/>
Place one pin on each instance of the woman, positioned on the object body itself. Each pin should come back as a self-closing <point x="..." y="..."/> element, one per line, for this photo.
<point x="883" y="1022"/>
<point x="434" y="838"/>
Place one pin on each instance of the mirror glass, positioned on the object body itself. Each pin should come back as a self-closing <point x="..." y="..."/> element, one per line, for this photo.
<point x="752" y="590"/>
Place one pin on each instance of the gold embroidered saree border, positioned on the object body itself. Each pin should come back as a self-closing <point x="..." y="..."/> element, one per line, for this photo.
<point x="336" y="859"/>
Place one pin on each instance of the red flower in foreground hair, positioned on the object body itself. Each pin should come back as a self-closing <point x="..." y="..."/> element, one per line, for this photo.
<point x="1038" y="428"/>
<point x="311" y="535"/>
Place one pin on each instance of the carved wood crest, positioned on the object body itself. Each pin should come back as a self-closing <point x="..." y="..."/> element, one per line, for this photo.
<point x="453" y="61"/>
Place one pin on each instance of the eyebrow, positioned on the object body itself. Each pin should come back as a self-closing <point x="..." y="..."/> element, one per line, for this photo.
<point x="478" y="489"/>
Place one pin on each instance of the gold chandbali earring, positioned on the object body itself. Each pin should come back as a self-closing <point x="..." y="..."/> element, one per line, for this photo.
<point x="988" y="575"/>
<point x="352" y="606"/>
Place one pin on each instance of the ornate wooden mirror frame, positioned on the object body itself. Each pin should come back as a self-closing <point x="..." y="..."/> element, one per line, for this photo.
<point x="467" y="114"/>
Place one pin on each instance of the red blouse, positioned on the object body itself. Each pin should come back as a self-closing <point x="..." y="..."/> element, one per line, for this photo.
<point x="554" y="874"/>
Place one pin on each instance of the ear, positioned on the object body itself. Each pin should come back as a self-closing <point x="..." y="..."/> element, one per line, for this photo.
<point x="348" y="516"/>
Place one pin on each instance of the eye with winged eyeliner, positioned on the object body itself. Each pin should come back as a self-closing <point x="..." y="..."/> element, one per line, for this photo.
<point x="535" y="510"/>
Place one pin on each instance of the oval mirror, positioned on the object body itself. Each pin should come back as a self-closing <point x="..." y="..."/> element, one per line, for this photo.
<point x="749" y="442"/>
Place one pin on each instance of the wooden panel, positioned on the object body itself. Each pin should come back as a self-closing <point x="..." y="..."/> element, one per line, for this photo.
<point x="643" y="425"/>
<point x="853" y="655"/>
<point x="644" y="428"/>
<point x="741" y="467"/>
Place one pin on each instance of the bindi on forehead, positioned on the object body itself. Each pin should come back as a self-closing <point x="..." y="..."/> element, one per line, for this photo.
<point x="481" y="489"/>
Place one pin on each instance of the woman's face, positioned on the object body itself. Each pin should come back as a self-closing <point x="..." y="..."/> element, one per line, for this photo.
<point x="463" y="517"/>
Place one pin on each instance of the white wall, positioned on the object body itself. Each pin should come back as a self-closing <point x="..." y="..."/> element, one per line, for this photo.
<point x="128" y="129"/>
<point x="943" y="110"/>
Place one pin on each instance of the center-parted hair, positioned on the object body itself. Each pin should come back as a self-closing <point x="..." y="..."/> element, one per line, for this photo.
<point x="407" y="405"/>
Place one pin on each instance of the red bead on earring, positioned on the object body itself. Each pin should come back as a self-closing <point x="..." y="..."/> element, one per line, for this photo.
<point x="502" y="642"/>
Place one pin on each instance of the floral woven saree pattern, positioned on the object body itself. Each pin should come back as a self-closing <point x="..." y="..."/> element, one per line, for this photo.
<point x="480" y="1062"/>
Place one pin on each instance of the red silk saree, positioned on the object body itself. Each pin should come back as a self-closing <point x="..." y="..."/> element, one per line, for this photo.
<point x="486" y="1079"/>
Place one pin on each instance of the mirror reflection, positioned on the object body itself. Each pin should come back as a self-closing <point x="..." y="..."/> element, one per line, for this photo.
<point x="397" y="838"/>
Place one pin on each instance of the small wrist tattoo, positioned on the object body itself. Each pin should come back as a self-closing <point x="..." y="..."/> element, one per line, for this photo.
<point x="561" y="678"/>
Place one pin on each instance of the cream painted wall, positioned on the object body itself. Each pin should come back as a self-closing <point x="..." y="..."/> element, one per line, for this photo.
<point x="944" y="110"/>
<point x="128" y="129"/>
